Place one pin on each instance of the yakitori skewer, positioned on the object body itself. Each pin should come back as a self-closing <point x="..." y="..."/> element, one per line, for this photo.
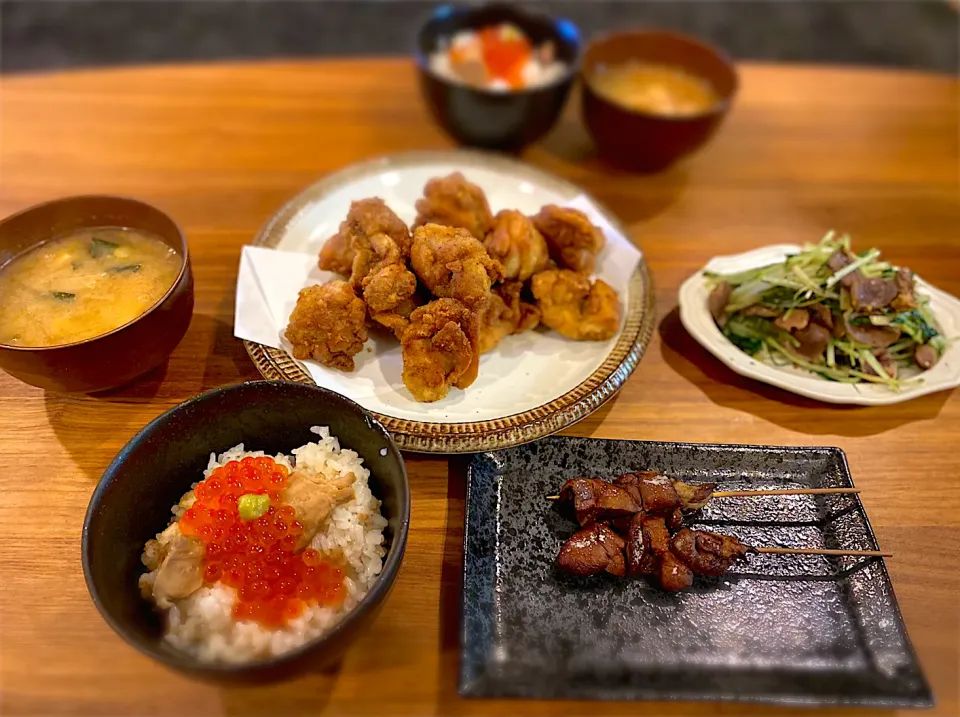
<point x="646" y="548"/>
<point x="594" y="499"/>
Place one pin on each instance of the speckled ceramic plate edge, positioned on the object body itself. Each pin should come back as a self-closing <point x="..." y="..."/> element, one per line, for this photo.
<point x="468" y="686"/>
<point x="513" y="430"/>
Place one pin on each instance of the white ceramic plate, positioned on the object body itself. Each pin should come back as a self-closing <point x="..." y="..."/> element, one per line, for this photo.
<point x="532" y="384"/>
<point x="697" y="319"/>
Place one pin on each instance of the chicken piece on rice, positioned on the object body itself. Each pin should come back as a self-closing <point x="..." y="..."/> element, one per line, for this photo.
<point x="328" y="325"/>
<point x="314" y="498"/>
<point x="517" y="245"/>
<point x="452" y="201"/>
<point x="576" y="308"/>
<point x="365" y="218"/>
<point x="574" y="242"/>
<point x="453" y="264"/>
<point x="440" y="349"/>
<point x="505" y="313"/>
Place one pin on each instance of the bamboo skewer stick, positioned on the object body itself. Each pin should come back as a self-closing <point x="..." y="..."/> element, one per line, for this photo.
<point x="784" y="491"/>
<point x="823" y="551"/>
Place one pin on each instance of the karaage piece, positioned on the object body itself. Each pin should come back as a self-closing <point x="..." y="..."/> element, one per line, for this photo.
<point x="452" y="201"/>
<point x="573" y="240"/>
<point x="440" y="349"/>
<point x="336" y="255"/>
<point x="572" y="306"/>
<point x="366" y="218"/>
<point x="328" y="325"/>
<point x="518" y="245"/>
<point x="370" y="255"/>
<point x="453" y="264"/>
<point x="390" y="294"/>
<point x="505" y="313"/>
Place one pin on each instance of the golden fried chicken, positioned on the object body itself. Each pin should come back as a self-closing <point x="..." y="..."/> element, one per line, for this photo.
<point x="452" y="263"/>
<point x="440" y="349"/>
<point x="390" y="294"/>
<point x="517" y="244"/>
<point x="573" y="241"/>
<point x="572" y="306"/>
<point x="452" y="201"/>
<point x="328" y="325"/>
<point x="366" y="217"/>
<point x="336" y="255"/>
<point x="370" y="255"/>
<point x="505" y="313"/>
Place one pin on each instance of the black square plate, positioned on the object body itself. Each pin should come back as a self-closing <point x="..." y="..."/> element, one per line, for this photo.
<point x="784" y="629"/>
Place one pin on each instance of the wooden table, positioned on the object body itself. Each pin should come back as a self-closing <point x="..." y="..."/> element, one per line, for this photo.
<point x="221" y="147"/>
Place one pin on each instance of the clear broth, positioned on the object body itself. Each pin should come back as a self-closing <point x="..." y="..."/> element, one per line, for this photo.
<point x="656" y="89"/>
<point x="83" y="284"/>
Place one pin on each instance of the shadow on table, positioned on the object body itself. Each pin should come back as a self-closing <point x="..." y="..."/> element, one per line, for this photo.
<point x="682" y="353"/>
<point x="227" y="360"/>
<point x="632" y="197"/>
<point x="88" y="425"/>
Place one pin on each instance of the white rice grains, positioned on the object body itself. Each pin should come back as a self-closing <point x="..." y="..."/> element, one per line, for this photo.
<point x="202" y="624"/>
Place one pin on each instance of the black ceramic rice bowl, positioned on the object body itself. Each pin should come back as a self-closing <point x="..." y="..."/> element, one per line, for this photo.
<point x="132" y="502"/>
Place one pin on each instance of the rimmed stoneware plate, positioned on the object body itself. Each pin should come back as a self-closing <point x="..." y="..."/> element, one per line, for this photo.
<point x="532" y="384"/>
<point x="697" y="320"/>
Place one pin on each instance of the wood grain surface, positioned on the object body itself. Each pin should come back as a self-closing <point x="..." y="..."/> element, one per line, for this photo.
<point x="221" y="147"/>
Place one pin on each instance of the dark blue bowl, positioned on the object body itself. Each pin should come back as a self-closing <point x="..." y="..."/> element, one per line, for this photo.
<point x="491" y="119"/>
<point x="132" y="503"/>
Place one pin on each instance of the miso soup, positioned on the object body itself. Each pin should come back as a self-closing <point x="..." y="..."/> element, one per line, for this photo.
<point x="653" y="88"/>
<point x="83" y="284"/>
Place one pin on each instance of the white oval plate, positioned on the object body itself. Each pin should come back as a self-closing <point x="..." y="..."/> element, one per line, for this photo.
<point x="532" y="384"/>
<point x="696" y="318"/>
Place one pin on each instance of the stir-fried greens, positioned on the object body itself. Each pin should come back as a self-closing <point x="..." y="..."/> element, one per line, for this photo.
<point x="847" y="317"/>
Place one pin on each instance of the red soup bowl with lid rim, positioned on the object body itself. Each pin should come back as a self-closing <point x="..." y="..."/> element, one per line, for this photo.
<point x="119" y="356"/>
<point x="644" y="141"/>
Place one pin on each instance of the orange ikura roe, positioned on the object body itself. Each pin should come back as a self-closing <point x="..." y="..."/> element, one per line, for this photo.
<point x="505" y="54"/>
<point x="274" y="584"/>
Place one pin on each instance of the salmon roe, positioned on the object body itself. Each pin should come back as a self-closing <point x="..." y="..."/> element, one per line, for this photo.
<point x="505" y="53"/>
<point x="274" y="584"/>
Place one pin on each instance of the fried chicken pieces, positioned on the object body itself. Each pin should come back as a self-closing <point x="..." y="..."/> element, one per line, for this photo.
<point x="365" y="218"/>
<point x="328" y="325"/>
<point x="440" y="349"/>
<point x="452" y="263"/>
<point x="452" y="201"/>
<point x="505" y="313"/>
<point x="380" y="273"/>
<point x="573" y="306"/>
<point x="454" y="288"/>
<point x="517" y="245"/>
<point x="573" y="240"/>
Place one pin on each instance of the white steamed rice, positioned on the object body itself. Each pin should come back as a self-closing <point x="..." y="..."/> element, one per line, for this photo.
<point x="203" y="625"/>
